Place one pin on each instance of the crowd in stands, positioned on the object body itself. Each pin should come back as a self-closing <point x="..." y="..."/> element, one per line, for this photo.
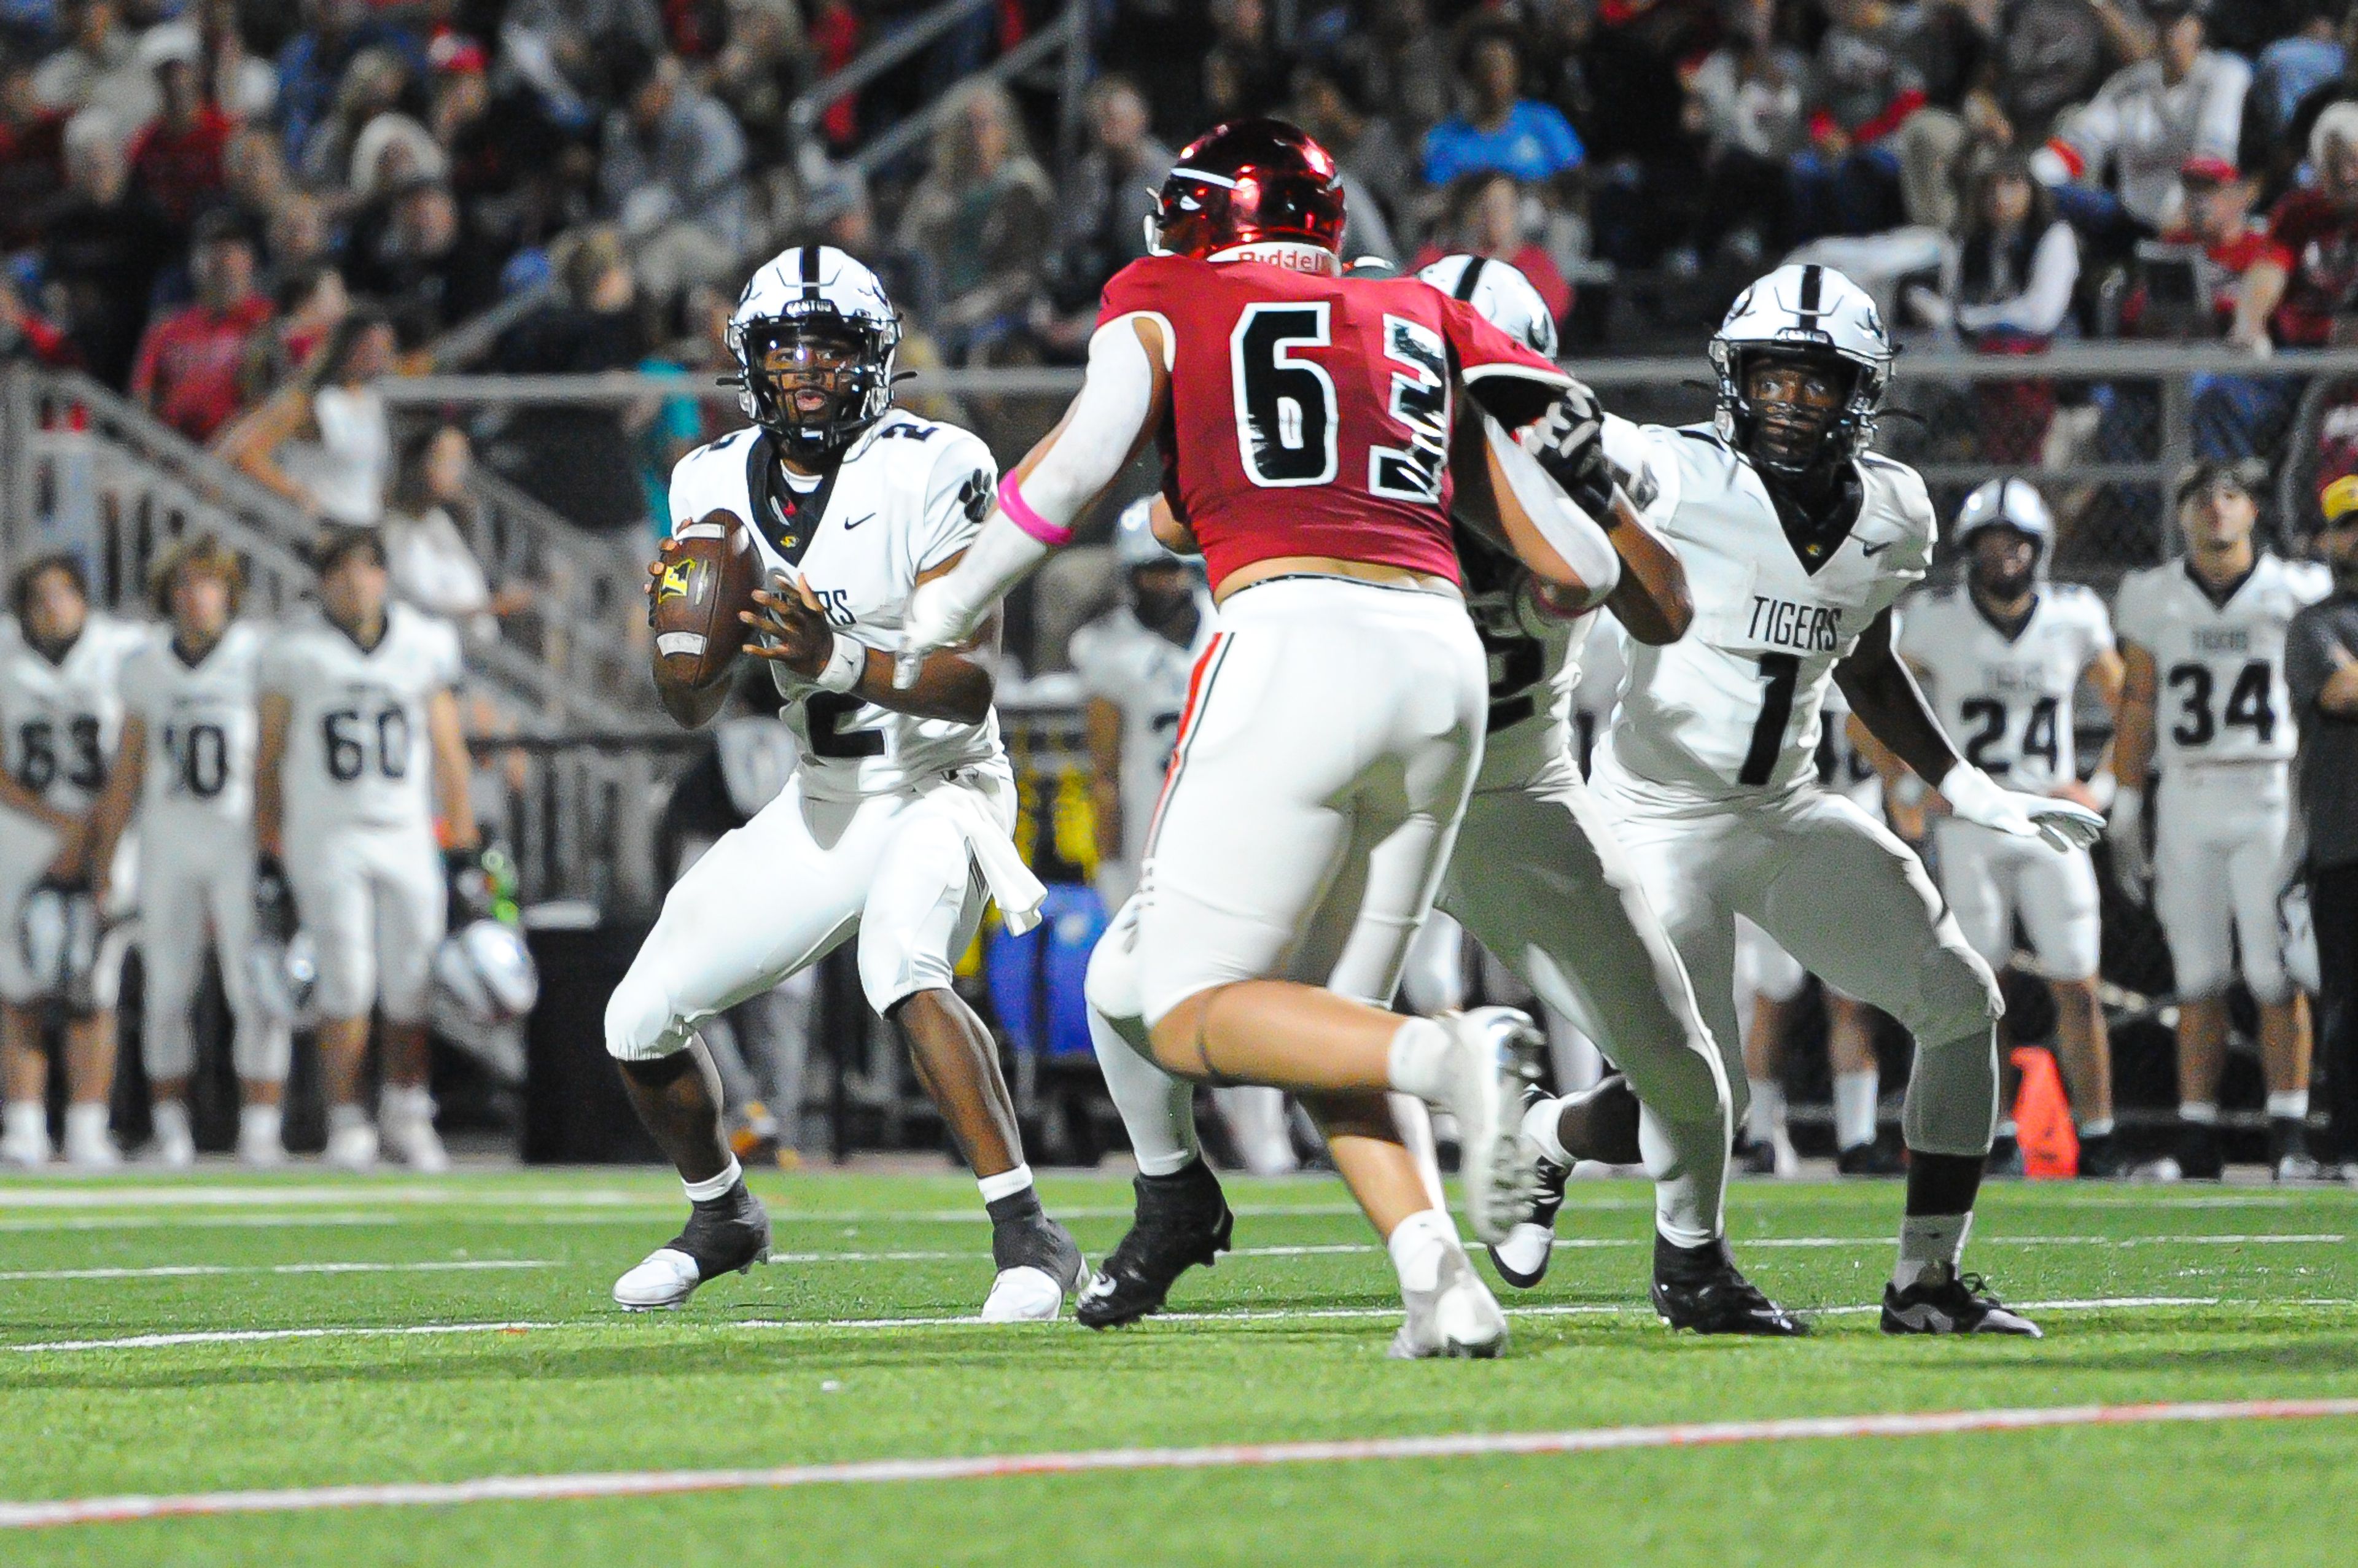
<point x="200" y="198"/>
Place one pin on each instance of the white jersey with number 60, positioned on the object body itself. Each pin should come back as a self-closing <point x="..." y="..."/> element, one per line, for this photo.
<point x="1732" y="706"/>
<point x="2219" y="664"/>
<point x="197" y="770"/>
<point x="358" y="753"/>
<point x="2005" y="700"/>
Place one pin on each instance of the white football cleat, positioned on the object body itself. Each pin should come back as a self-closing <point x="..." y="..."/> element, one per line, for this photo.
<point x="413" y="1141"/>
<point x="259" y="1150"/>
<point x="175" y="1150"/>
<point x="95" y="1150"/>
<point x="1023" y="1295"/>
<point x="28" y="1147"/>
<point x="1493" y="1054"/>
<point x="662" y="1281"/>
<point x="1458" y="1317"/>
<point x="353" y="1148"/>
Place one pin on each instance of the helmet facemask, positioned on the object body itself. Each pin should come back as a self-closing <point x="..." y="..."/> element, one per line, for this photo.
<point x="815" y="379"/>
<point x="2003" y="560"/>
<point x="1826" y="417"/>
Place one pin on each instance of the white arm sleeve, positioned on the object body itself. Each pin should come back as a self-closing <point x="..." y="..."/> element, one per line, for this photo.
<point x="2046" y="296"/>
<point x="1101" y="428"/>
<point x="1568" y="530"/>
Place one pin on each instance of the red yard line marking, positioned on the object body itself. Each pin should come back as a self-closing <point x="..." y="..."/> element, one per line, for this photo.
<point x="1453" y="1445"/>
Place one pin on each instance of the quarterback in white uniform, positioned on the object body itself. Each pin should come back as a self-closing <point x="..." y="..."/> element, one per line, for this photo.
<point x="898" y="797"/>
<point x="2000" y="658"/>
<point x="1538" y="878"/>
<point x="359" y="744"/>
<point x="2206" y="707"/>
<point x="186" y="765"/>
<point x="59" y="709"/>
<point x="1134" y="661"/>
<point x="1797" y="541"/>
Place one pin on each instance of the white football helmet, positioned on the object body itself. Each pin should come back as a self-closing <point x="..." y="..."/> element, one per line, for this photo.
<point x="1500" y="294"/>
<point x="831" y="313"/>
<point x="1805" y="310"/>
<point x="2007" y="502"/>
<point x="484" y="982"/>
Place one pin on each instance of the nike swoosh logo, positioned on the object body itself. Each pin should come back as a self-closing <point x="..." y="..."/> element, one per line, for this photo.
<point x="856" y="522"/>
<point x="1877" y="549"/>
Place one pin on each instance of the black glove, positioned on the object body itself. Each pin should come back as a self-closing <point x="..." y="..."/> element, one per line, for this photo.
<point x="274" y="901"/>
<point x="1569" y="442"/>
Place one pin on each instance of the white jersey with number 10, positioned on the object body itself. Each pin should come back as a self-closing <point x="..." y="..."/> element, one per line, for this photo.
<point x="197" y="771"/>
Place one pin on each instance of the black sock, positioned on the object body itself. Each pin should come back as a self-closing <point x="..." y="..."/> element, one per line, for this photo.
<point x="1016" y="1207"/>
<point x="1942" y="1183"/>
<point x="727" y="1203"/>
<point x="1686" y="1264"/>
<point x="1601" y="1123"/>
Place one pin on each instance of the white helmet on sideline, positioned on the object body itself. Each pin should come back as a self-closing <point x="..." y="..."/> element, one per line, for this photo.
<point x="2008" y="503"/>
<point x="1500" y="294"/>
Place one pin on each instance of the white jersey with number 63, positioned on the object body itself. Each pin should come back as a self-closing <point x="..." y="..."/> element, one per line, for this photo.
<point x="2219" y="664"/>
<point x="1732" y="706"/>
<point x="358" y="753"/>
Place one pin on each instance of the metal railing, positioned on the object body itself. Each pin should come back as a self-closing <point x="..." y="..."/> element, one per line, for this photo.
<point x="84" y="469"/>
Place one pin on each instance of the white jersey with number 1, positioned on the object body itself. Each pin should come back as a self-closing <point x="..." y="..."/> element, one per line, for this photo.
<point x="357" y="752"/>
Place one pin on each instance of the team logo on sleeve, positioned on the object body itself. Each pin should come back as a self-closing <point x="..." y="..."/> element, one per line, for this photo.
<point x="974" y="496"/>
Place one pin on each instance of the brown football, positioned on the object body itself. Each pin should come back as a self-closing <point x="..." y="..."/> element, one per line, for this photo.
<point x="704" y="582"/>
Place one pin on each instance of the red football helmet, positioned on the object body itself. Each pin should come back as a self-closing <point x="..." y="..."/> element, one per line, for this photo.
<point x="1248" y="182"/>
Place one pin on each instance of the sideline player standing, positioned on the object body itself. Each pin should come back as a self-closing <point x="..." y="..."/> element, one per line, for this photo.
<point x="60" y="708"/>
<point x="897" y="797"/>
<point x="2000" y="658"/>
<point x="2211" y="630"/>
<point x="360" y="741"/>
<point x="1134" y="661"/>
<point x="186" y="761"/>
<point x="1797" y="540"/>
<point x="1306" y="422"/>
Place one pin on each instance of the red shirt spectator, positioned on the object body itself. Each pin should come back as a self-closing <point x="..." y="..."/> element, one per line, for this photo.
<point x="189" y="370"/>
<point x="2315" y="241"/>
<point x="179" y="167"/>
<point x="187" y="373"/>
<point x="32" y="156"/>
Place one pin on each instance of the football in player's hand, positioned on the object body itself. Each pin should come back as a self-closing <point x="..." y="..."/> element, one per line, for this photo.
<point x="704" y="577"/>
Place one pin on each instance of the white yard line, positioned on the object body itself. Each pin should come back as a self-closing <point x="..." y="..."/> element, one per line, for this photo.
<point x="1222" y="1456"/>
<point x="197" y="1271"/>
<point x="619" y="1323"/>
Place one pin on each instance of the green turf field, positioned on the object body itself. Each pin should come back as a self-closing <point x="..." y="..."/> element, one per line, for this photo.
<point x="2237" y="1294"/>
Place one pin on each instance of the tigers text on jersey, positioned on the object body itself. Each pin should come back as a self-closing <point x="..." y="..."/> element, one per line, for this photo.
<point x="358" y="750"/>
<point x="2005" y="700"/>
<point x="201" y="729"/>
<point x="2219" y="665"/>
<point x="1734" y="705"/>
<point x="1143" y="674"/>
<point x="1310" y="415"/>
<point x="60" y="719"/>
<point x="906" y="497"/>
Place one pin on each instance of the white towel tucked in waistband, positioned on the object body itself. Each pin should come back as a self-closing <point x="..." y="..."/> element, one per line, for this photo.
<point x="1018" y="893"/>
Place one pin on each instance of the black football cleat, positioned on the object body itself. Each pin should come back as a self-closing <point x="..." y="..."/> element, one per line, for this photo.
<point x="1183" y="1220"/>
<point x="1701" y="1288"/>
<point x="1875" y="1158"/>
<point x="727" y="1234"/>
<point x="1521" y="1259"/>
<point x="1951" y="1304"/>
<point x="2100" y="1159"/>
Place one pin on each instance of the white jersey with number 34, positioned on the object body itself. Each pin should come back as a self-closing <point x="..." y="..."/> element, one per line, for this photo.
<point x="2006" y="701"/>
<point x="358" y="750"/>
<point x="1732" y="706"/>
<point x="2219" y="665"/>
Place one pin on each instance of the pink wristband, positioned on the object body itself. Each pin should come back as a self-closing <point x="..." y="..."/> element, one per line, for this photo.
<point x="1010" y="501"/>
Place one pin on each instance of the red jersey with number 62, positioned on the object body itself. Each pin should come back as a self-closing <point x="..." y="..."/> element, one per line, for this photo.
<point x="1310" y="415"/>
